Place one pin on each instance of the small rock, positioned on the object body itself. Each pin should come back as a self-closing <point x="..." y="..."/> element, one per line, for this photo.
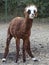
<point x="29" y="64"/>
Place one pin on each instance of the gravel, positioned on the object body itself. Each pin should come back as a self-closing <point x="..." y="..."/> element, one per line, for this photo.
<point x="39" y="42"/>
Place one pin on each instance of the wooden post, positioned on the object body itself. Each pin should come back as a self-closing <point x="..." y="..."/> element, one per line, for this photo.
<point x="6" y="10"/>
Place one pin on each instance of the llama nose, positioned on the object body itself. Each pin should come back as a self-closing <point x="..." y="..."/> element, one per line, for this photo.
<point x="32" y="14"/>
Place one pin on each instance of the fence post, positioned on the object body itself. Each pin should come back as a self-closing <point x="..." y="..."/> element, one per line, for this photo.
<point x="6" y="10"/>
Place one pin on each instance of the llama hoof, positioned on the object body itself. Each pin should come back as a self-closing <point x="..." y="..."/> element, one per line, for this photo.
<point x="3" y="60"/>
<point x="35" y="59"/>
<point x="24" y="60"/>
<point x="16" y="61"/>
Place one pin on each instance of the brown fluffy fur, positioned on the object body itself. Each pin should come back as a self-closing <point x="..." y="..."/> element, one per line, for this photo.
<point x="20" y="28"/>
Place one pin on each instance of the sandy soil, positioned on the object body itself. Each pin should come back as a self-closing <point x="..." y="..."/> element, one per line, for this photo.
<point x="39" y="45"/>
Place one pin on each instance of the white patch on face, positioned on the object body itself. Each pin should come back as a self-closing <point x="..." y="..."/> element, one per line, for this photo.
<point x="32" y="8"/>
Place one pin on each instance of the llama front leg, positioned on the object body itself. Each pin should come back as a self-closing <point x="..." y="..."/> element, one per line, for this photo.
<point x="17" y="48"/>
<point x="28" y="49"/>
<point x="24" y="57"/>
<point x="7" y="47"/>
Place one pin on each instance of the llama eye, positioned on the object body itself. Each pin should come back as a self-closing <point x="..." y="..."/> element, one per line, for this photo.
<point x="29" y="11"/>
<point x="34" y="11"/>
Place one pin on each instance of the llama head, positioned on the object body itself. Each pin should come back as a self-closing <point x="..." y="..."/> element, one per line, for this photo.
<point x="31" y="11"/>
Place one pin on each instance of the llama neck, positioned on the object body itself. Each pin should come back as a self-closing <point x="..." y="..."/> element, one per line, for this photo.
<point x="28" y="24"/>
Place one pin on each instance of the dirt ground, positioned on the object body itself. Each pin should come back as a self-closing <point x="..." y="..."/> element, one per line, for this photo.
<point x="39" y="45"/>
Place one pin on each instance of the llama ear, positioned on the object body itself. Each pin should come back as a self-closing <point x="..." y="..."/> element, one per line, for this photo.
<point x="36" y="14"/>
<point x="25" y="13"/>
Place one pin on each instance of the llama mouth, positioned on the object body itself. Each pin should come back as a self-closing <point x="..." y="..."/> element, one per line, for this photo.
<point x="33" y="15"/>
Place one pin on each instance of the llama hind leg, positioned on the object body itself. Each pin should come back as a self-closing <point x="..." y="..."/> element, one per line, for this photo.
<point x="17" y="48"/>
<point x="7" y="47"/>
<point x="28" y="49"/>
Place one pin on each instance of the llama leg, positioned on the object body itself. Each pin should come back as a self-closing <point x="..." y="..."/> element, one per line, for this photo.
<point x="7" y="47"/>
<point x="17" y="48"/>
<point x="28" y="49"/>
<point x="24" y="58"/>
